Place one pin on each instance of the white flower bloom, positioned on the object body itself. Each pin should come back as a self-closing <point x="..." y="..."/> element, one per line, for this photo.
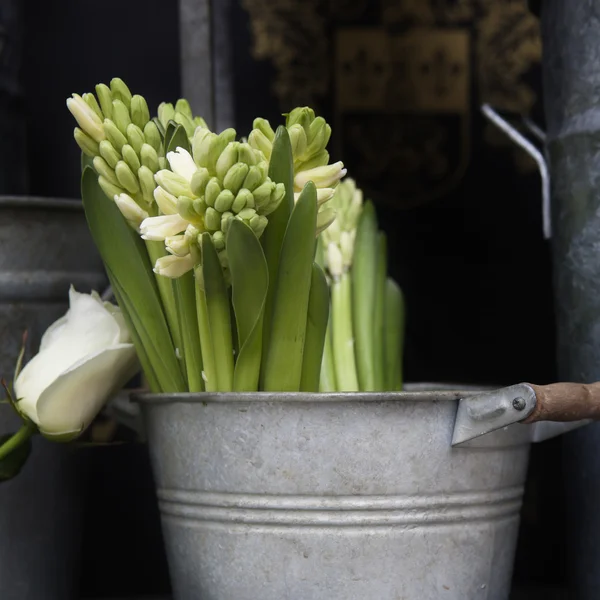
<point x="86" y="118"/>
<point x="131" y="210"/>
<point x="182" y="163"/>
<point x="323" y="177"/>
<point x="179" y="245"/>
<point x="85" y="357"/>
<point x="174" y="266"/>
<point x="164" y="226"/>
<point x="165" y="201"/>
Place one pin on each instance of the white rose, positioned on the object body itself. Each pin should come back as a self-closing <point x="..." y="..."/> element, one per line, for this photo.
<point x="85" y="357"/>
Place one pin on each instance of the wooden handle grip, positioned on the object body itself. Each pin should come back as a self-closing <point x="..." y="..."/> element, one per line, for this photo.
<point x="565" y="402"/>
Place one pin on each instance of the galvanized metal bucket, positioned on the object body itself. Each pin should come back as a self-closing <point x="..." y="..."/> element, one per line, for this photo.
<point x="333" y="496"/>
<point x="45" y="247"/>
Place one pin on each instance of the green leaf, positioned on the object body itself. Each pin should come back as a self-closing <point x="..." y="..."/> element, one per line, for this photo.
<point x="206" y="344"/>
<point x="86" y="161"/>
<point x="13" y="462"/>
<point x="364" y="282"/>
<point x="249" y="283"/>
<point x="192" y="355"/>
<point x="316" y="328"/>
<point x="139" y="347"/>
<point x="217" y="305"/>
<point x="394" y="335"/>
<point x="169" y="133"/>
<point x="379" y="313"/>
<point x="327" y="382"/>
<point x="178" y="138"/>
<point x="125" y="257"/>
<point x="283" y="370"/>
<point x="281" y="170"/>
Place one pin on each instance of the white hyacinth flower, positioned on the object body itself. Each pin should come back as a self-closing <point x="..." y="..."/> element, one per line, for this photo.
<point x="163" y="226"/>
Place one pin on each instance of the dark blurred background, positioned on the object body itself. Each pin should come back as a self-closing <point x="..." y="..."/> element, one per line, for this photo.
<point x="401" y="82"/>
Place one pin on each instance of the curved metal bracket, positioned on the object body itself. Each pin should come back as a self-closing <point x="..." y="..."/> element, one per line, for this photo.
<point x="539" y="158"/>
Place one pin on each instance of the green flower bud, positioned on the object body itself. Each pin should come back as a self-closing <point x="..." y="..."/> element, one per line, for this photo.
<point x="162" y="162"/>
<point x="140" y="114"/>
<point x="224" y="201"/>
<point x="152" y="135"/>
<point x="257" y="139"/>
<point x="109" y="154"/>
<point x="217" y="145"/>
<point x="173" y="183"/>
<point x="200" y="206"/>
<point x="185" y="207"/>
<point x="86" y="143"/>
<point x="199" y="181"/>
<point x="248" y="155"/>
<point x="201" y="145"/>
<point x="226" y="219"/>
<point x="276" y="197"/>
<point x="135" y="137"/>
<point x="218" y="238"/>
<point x="188" y="125"/>
<point x="213" y="189"/>
<point x="166" y="112"/>
<point x="86" y="118"/>
<point x="114" y="136"/>
<point x="319" y="133"/>
<point x="91" y="101"/>
<point x="244" y="199"/>
<point x="227" y="158"/>
<point x="183" y="106"/>
<point x="318" y="160"/>
<point x="235" y="177"/>
<point x="130" y="157"/>
<point x="105" y="97"/>
<point x="262" y="195"/>
<point x="149" y="157"/>
<point x="324" y="219"/>
<point x="147" y="183"/>
<point x="264" y="127"/>
<point x="253" y="179"/>
<point x="212" y="219"/>
<point x="126" y="177"/>
<point x="120" y="92"/>
<point x="121" y="116"/>
<point x="302" y="115"/>
<point x="246" y="215"/>
<point x="102" y="168"/>
<point x="298" y="139"/>
<point x="110" y="189"/>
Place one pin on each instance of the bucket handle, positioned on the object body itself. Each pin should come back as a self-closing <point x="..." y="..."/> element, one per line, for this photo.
<point x="516" y="136"/>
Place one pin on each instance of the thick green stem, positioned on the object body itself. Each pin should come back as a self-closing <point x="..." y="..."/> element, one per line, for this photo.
<point x="343" y="335"/>
<point x="208" y="355"/>
<point x="327" y="380"/>
<point x="166" y="291"/>
<point x="364" y="282"/>
<point x="316" y="328"/>
<point x="17" y="440"/>
<point x="192" y="355"/>
<point x="379" y="314"/>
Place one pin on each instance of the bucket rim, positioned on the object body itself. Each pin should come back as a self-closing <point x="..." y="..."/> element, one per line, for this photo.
<point x="413" y="392"/>
<point x="29" y="202"/>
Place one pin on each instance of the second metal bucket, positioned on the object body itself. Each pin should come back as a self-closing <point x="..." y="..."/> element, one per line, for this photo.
<point x="333" y="497"/>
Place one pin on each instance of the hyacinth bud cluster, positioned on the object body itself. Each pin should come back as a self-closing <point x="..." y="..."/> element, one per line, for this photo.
<point x="181" y="114"/>
<point x="338" y="239"/>
<point x="221" y="180"/>
<point x="309" y="136"/>
<point x="115" y="130"/>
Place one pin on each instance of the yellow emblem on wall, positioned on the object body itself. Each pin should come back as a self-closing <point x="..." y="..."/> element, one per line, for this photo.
<point x="407" y="79"/>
